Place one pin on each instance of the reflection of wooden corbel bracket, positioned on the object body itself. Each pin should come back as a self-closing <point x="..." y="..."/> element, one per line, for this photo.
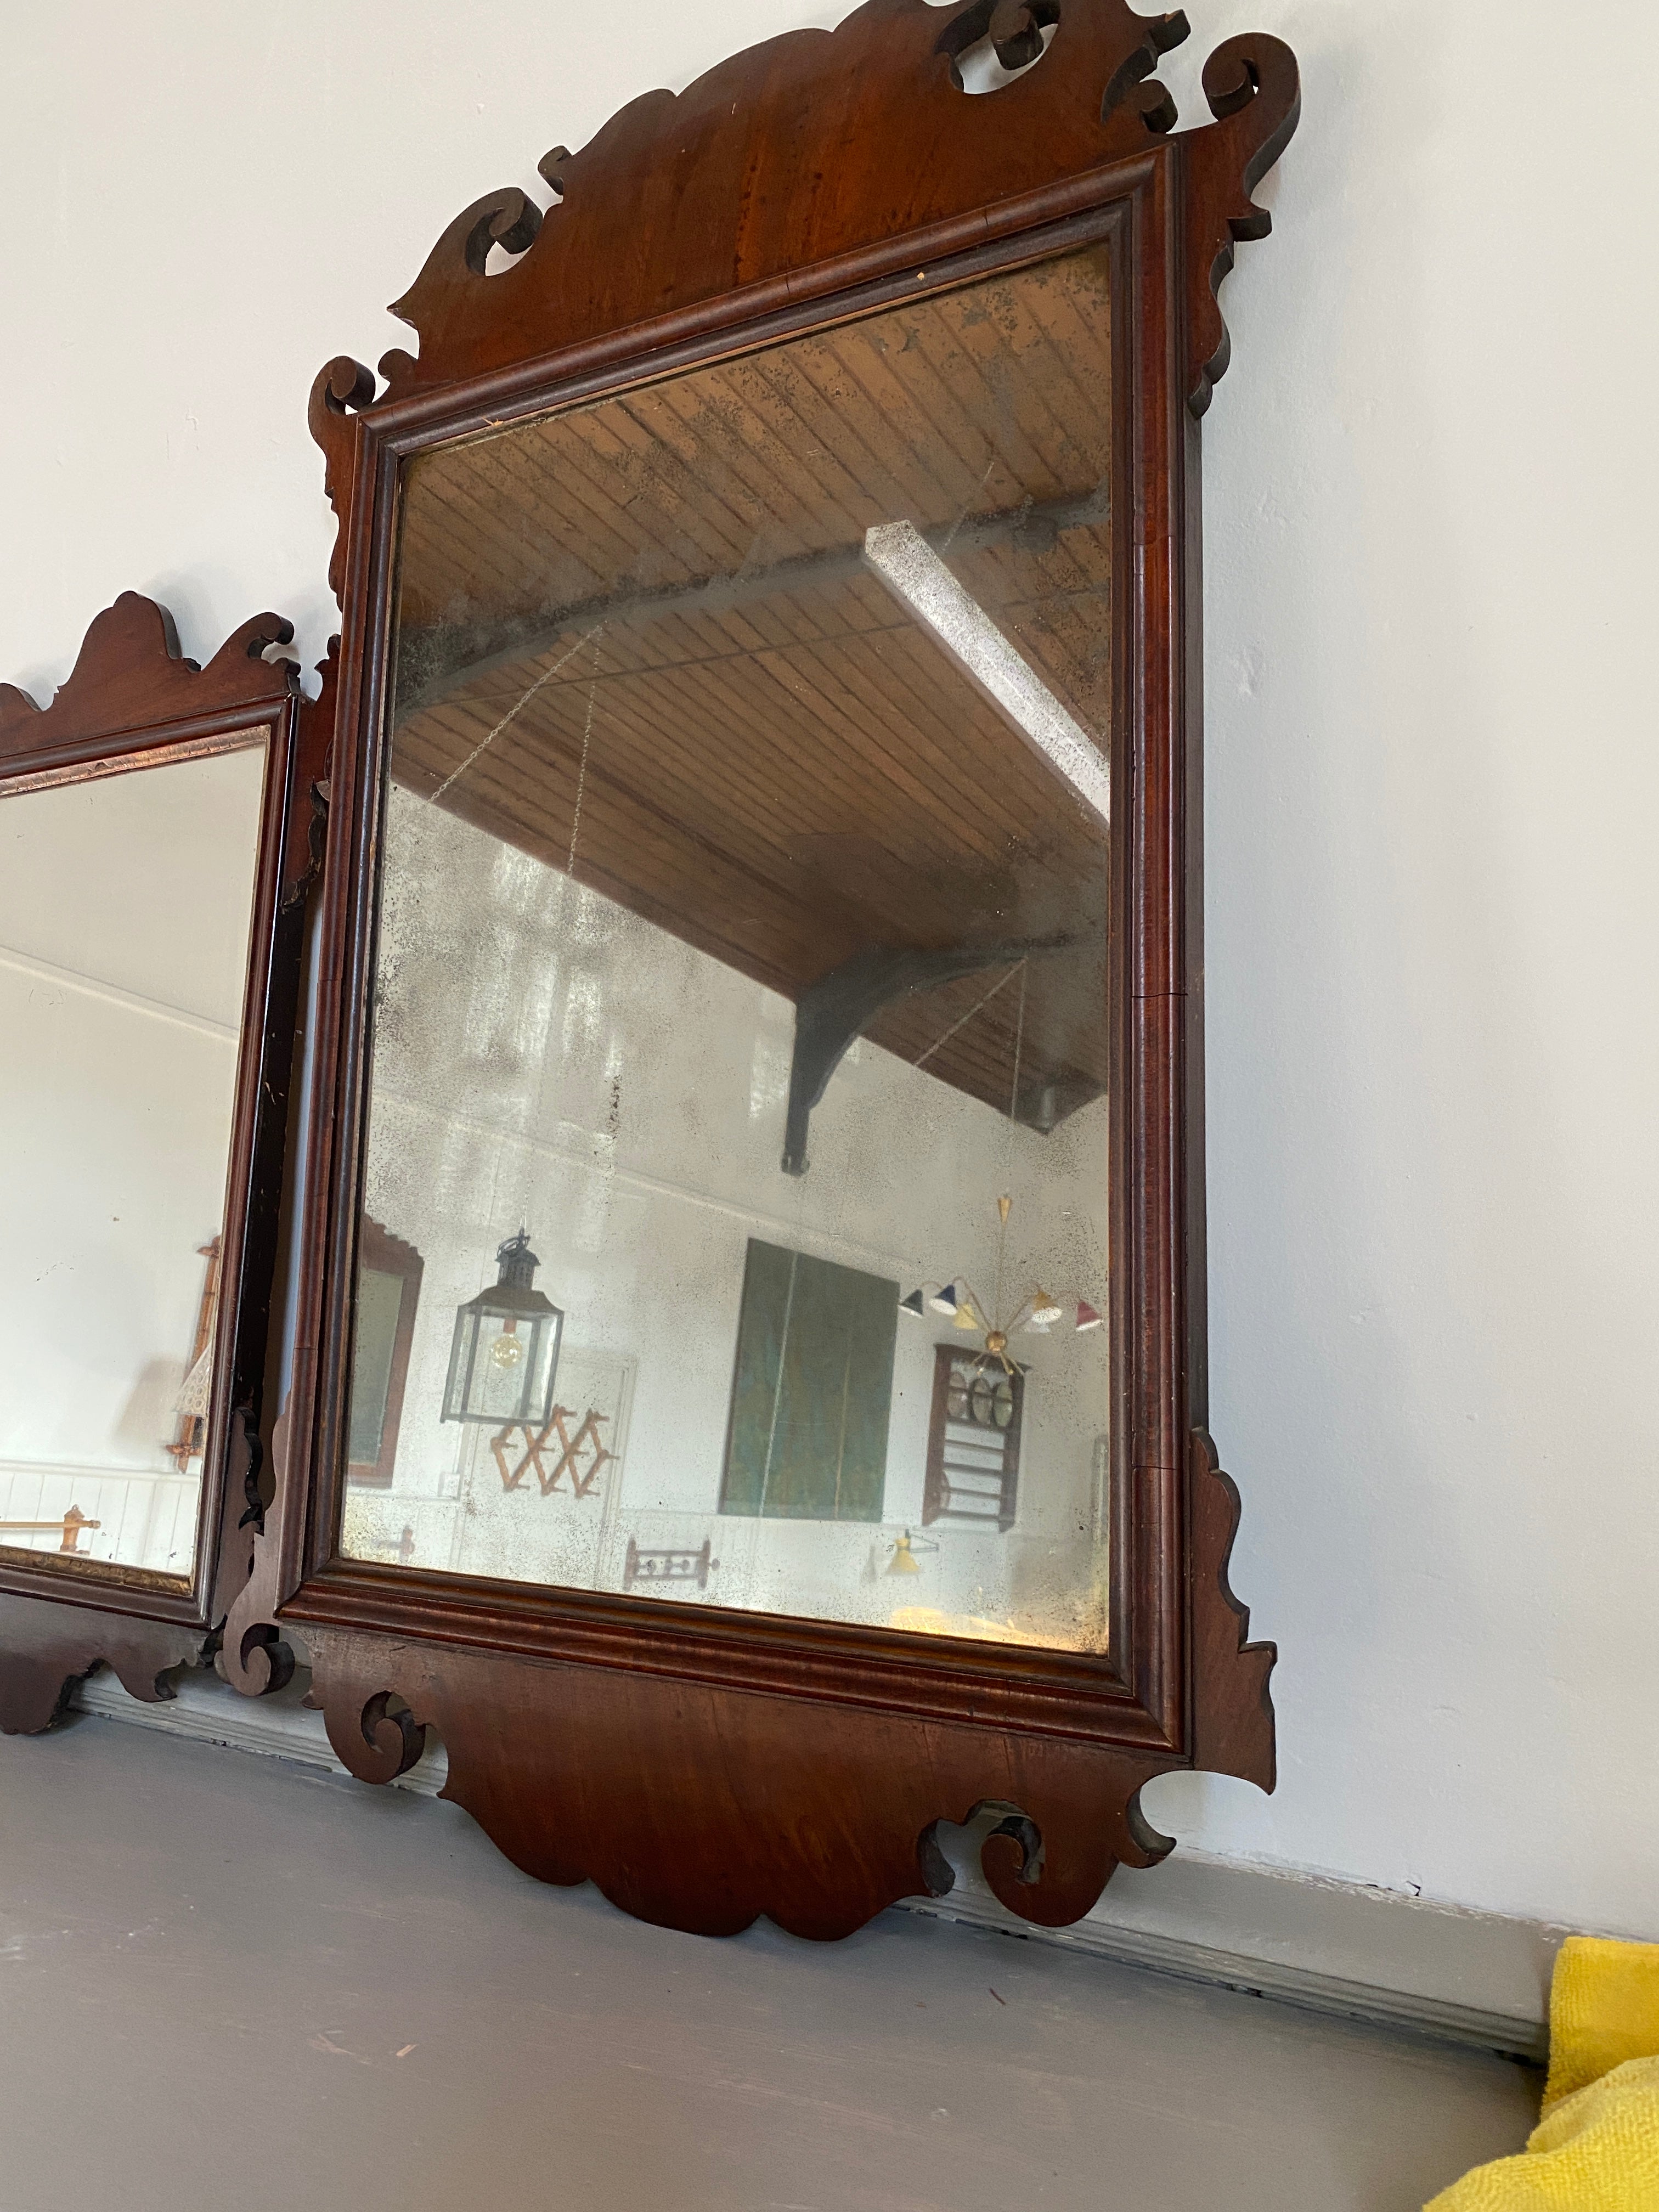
<point x="831" y="1013"/>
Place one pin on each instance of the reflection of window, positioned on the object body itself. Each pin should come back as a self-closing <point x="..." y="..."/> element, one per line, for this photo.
<point x="812" y="1389"/>
<point x="388" y="1286"/>
<point x="973" y="1441"/>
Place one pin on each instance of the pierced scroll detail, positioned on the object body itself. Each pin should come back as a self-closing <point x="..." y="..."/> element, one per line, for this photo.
<point x="306" y="831"/>
<point x="253" y="1656"/>
<point x="342" y="390"/>
<point x="394" y="1737"/>
<point x="1232" y="1701"/>
<point x="1255" y="91"/>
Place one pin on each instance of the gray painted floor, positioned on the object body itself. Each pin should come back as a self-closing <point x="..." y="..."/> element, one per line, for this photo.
<point x="210" y="1964"/>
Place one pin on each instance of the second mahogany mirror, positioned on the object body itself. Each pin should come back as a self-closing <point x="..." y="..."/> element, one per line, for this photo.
<point x="156" y="841"/>
<point x="127" y="900"/>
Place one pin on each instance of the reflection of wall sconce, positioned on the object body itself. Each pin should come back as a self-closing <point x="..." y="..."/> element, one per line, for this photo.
<point x="505" y="1352"/>
<point x="904" y="1561"/>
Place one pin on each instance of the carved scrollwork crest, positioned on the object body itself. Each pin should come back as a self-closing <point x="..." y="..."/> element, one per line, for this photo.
<point x="774" y="170"/>
<point x="130" y="674"/>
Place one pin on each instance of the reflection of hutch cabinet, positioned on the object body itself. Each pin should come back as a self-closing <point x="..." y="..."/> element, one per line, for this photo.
<point x="388" y="1290"/>
<point x="973" y="1440"/>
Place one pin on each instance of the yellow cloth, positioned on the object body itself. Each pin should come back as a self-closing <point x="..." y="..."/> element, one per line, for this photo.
<point x="1596" y="2147"/>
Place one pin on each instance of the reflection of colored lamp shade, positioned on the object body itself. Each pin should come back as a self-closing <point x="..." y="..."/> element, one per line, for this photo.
<point x="914" y="1305"/>
<point x="945" y="1302"/>
<point x="904" y="1560"/>
<point x="1044" y="1312"/>
<point x="505" y="1349"/>
<point x="1087" y="1318"/>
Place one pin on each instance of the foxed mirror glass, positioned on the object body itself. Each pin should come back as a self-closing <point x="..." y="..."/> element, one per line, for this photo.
<point x="127" y="894"/>
<point x="741" y="1025"/>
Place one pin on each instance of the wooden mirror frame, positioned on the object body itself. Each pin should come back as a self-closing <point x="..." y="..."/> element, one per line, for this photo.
<point x="133" y="700"/>
<point x="704" y="1767"/>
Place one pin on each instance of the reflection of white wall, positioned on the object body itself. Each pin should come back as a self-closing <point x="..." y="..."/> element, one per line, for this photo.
<point x="124" y="911"/>
<point x="143" y="881"/>
<point x="543" y="1055"/>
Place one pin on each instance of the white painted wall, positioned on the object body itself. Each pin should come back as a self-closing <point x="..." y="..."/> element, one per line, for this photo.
<point x="1432" y="912"/>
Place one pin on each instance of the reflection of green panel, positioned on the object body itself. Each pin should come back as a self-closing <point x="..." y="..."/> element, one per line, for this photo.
<point x="812" y="1389"/>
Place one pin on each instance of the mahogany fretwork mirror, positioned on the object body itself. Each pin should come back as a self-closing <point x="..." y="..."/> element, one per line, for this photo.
<point x="761" y="923"/>
<point x="152" y="867"/>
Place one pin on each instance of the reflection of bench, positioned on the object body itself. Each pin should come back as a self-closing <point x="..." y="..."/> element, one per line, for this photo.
<point x="404" y="1546"/>
<point x="69" y="1528"/>
<point x="667" y="1565"/>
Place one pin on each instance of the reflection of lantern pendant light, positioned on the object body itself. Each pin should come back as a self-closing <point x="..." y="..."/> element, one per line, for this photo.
<point x="505" y="1352"/>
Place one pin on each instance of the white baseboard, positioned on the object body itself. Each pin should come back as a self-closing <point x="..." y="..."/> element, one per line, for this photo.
<point x="1475" y="1978"/>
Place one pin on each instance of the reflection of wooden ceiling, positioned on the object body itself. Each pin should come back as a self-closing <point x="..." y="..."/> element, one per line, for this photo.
<point x="637" y="639"/>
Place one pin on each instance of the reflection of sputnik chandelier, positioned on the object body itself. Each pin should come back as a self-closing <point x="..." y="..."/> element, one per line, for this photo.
<point x="959" y="1301"/>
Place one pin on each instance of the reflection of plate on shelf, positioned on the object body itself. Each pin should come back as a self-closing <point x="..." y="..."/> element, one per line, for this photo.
<point x="985" y="1399"/>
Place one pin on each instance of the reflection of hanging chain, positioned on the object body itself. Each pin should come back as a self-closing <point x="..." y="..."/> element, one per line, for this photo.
<point x="513" y="712"/>
<point x="596" y="633"/>
<point x="454" y="775"/>
<point x="1017" y="969"/>
<point x="591" y="637"/>
<point x="1019" y="1044"/>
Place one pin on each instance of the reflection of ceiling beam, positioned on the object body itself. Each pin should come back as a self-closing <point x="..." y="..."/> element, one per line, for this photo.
<point x="430" y="671"/>
<point x="916" y="577"/>
<point x="831" y="1013"/>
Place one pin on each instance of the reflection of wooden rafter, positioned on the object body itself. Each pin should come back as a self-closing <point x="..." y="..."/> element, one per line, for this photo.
<point x="195" y="1395"/>
<point x="568" y="1462"/>
<point x="842" y="1005"/>
<point x="70" y="1527"/>
<point x="453" y="657"/>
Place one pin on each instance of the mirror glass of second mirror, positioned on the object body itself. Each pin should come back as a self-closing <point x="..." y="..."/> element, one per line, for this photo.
<point x="734" y="1219"/>
<point x="126" y="906"/>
